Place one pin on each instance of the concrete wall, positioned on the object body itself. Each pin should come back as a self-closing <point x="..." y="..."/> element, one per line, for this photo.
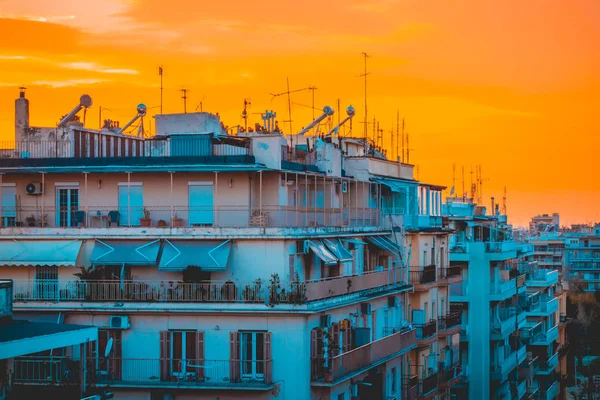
<point x="196" y="122"/>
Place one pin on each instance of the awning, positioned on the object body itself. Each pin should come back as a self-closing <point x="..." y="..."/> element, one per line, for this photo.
<point x="338" y="250"/>
<point x="319" y="248"/>
<point x="394" y="185"/>
<point x="208" y="255"/>
<point x="353" y="241"/>
<point x="385" y="243"/>
<point x="39" y="252"/>
<point x="125" y="252"/>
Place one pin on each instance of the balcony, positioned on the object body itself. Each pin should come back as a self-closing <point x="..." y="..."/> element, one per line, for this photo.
<point x="115" y="220"/>
<point x="449" y="324"/>
<point x="546" y="338"/>
<point x="502" y="290"/>
<point x="548" y="305"/>
<point x="370" y="355"/>
<point x="531" y="332"/>
<point x="452" y="274"/>
<point x="423" y="279"/>
<point x="459" y="292"/>
<point x="546" y="367"/>
<point x="450" y="376"/>
<point x="459" y="252"/>
<point x="257" y="291"/>
<point x="521" y="389"/>
<point x="211" y="374"/>
<point x="500" y="372"/>
<point x="506" y="321"/>
<point x="415" y="388"/>
<point x="500" y="251"/>
<point x="46" y="370"/>
<point x="426" y="333"/>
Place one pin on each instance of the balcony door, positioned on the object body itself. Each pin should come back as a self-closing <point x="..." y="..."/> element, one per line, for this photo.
<point x="67" y="203"/>
<point x="252" y="355"/>
<point x="9" y="205"/>
<point x="46" y="283"/>
<point x="201" y="203"/>
<point x="131" y="203"/>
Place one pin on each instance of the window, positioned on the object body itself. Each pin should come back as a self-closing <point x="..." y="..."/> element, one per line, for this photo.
<point x="108" y="366"/>
<point x="183" y="352"/>
<point x="181" y="355"/>
<point x="393" y="379"/>
<point x="131" y="203"/>
<point x="9" y="204"/>
<point x="201" y="203"/>
<point x="46" y="283"/>
<point x="252" y="354"/>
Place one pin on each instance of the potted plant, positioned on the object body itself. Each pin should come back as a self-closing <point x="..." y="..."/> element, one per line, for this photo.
<point x="161" y="223"/>
<point x="146" y="221"/>
<point x="88" y="274"/>
<point x="31" y="220"/>
<point x="176" y="222"/>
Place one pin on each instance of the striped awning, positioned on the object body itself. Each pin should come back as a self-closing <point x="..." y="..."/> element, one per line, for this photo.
<point x="319" y="248"/>
<point x="125" y="252"/>
<point x="337" y="248"/>
<point x="208" y="255"/>
<point x="385" y="243"/>
<point x="39" y="252"/>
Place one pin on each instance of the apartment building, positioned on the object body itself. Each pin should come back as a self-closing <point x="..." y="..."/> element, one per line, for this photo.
<point x="544" y="223"/>
<point x="497" y="357"/>
<point x="237" y="267"/>
<point x="582" y="260"/>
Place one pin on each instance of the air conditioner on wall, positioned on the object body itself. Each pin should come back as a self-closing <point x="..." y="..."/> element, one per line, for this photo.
<point x="34" y="188"/>
<point x="119" y="322"/>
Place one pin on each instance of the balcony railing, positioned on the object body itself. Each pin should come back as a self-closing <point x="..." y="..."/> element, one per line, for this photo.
<point x="220" y="216"/>
<point x="427" y="330"/>
<point x="549" y="365"/>
<point x="449" y="374"/>
<point x="549" y="304"/>
<point x="371" y="353"/>
<point x="429" y="384"/>
<point x="542" y="277"/>
<point x="551" y="335"/>
<point x="207" y="373"/>
<point x="413" y="387"/>
<point x="48" y="370"/>
<point x="501" y="247"/>
<point x="458" y="247"/>
<point x="449" y="321"/>
<point x="257" y="291"/>
<point x="423" y="276"/>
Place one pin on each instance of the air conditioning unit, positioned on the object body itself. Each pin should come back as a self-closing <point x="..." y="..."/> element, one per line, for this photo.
<point x="119" y="322"/>
<point x="344" y="187"/>
<point x="34" y="188"/>
<point x="365" y="308"/>
<point x="325" y="320"/>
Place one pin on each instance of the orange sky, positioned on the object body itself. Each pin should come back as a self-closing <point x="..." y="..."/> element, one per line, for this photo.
<point x="512" y="85"/>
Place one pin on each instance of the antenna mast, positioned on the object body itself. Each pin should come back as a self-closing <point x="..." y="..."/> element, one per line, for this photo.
<point x="365" y="55"/>
<point x="160" y="72"/>
<point x="403" y="158"/>
<point x="245" y="115"/>
<point x="289" y="106"/>
<point x="312" y="89"/>
<point x="504" y="202"/>
<point x="397" y="133"/>
<point x="408" y="151"/>
<point x="464" y="194"/>
<point x="184" y="97"/>
<point x="453" y="179"/>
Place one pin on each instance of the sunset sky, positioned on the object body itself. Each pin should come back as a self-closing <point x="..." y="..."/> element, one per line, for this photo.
<point x="511" y="85"/>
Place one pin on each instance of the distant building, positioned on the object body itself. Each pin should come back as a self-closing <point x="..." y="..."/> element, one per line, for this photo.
<point x="544" y="223"/>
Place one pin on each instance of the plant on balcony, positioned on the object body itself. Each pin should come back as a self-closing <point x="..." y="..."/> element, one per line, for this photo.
<point x="90" y="273"/>
<point x="161" y="223"/>
<point x="252" y="293"/>
<point x="274" y="289"/>
<point x="31" y="220"/>
<point x="146" y="220"/>
<point x="196" y="279"/>
<point x="297" y="294"/>
<point x="176" y="222"/>
<point x="229" y="291"/>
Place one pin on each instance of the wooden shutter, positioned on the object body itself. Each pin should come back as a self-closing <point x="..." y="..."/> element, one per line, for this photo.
<point x="116" y="356"/>
<point x="234" y="357"/>
<point x="316" y="352"/>
<point x="165" y="345"/>
<point x="347" y="344"/>
<point x="267" y="357"/>
<point x="200" y="355"/>
<point x="335" y="339"/>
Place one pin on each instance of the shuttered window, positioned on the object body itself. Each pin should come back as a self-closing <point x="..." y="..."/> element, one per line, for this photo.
<point x="181" y="355"/>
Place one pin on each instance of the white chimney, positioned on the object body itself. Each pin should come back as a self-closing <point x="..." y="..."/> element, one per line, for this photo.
<point x="21" y="115"/>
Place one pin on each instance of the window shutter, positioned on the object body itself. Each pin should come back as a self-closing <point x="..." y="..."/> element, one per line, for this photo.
<point x="116" y="355"/>
<point x="335" y="339"/>
<point x="267" y="357"/>
<point x="316" y="352"/>
<point x="165" y="345"/>
<point x="200" y="355"/>
<point x="91" y="360"/>
<point x="347" y="344"/>
<point x="234" y="357"/>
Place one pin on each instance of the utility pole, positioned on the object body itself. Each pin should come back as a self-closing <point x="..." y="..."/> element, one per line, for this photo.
<point x="184" y="97"/>
<point x="160" y="72"/>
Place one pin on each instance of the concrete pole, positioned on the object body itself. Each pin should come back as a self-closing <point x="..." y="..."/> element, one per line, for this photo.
<point x="85" y="180"/>
<point x="296" y="198"/>
<point x="260" y="179"/>
<point x="171" y="197"/>
<point x="43" y="196"/>
<point x="128" y="198"/>
<point x="216" y="209"/>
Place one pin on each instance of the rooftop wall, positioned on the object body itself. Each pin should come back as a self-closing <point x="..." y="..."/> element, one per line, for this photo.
<point x="202" y="122"/>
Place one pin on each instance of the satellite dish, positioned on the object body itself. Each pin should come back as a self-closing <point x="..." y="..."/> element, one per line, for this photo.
<point x="85" y="100"/>
<point x="328" y="110"/>
<point x="141" y="109"/>
<point x="108" y="348"/>
<point x="350" y="111"/>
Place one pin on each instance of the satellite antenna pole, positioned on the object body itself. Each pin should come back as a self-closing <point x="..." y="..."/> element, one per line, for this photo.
<point x="312" y="89"/>
<point x="403" y="157"/>
<point x="290" y="106"/>
<point x="365" y="55"/>
<point x="453" y="177"/>
<point x="160" y="72"/>
<point x="504" y="202"/>
<point x="464" y="194"/>
<point x="397" y="133"/>
<point x="339" y="112"/>
<point x="184" y="97"/>
<point x="407" y="150"/>
<point x="392" y="143"/>
<point x="245" y="115"/>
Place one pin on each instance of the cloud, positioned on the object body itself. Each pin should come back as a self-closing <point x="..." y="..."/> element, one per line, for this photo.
<point x="95" y="67"/>
<point x="69" y="82"/>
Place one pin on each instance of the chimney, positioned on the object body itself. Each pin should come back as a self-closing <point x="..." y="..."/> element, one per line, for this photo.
<point x="21" y="115"/>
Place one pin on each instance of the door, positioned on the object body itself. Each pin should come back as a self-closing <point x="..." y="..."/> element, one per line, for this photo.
<point x="9" y="205"/>
<point x="131" y="204"/>
<point x="252" y="355"/>
<point x="201" y="203"/>
<point x="67" y="203"/>
<point x="183" y="353"/>
<point x="46" y="283"/>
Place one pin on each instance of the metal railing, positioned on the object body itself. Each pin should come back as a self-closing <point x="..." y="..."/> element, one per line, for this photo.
<point x="45" y="370"/>
<point x="257" y="291"/>
<point x="220" y="216"/>
<point x="450" y="372"/>
<point x="423" y="276"/>
<point x="550" y="364"/>
<point x="449" y="321"/>
<point x="364" y="356"/>
<point x="105" y="146"/>
<point x="427" y="330"/>
<point x="152" y="371"/>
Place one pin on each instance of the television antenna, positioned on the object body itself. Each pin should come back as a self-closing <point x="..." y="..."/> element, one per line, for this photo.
<point x="245" y="114"/>
<point x="312" y="89"/>
<point x="199" y="106"/>
<point x="288" y="93"/>
<point x="366" y="56"/>
<point x="184" y="97"/>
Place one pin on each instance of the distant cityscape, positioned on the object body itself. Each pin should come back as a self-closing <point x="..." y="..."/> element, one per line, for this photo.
<point x="205" y="264"/>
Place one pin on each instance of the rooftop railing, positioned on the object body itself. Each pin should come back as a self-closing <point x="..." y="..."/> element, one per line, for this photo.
<point x="46" y="370"/>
